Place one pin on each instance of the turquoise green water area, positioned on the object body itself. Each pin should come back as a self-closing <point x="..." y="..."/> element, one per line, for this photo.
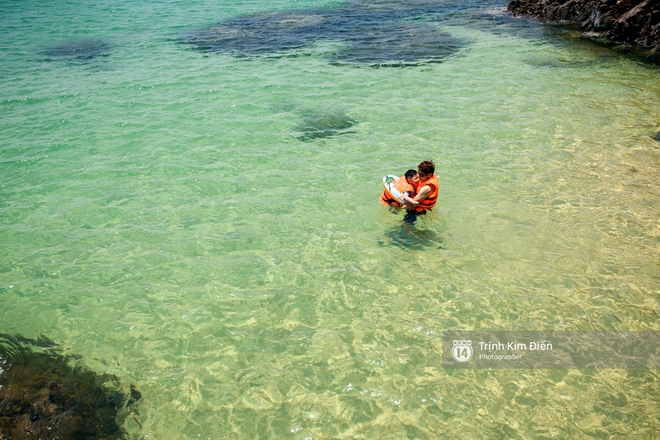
<point x="163" y="215"/>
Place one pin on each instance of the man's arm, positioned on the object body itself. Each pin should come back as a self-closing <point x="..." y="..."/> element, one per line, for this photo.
<point x="421" y="195"/>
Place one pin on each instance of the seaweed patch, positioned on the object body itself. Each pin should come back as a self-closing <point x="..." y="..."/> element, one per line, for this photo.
<point x="43" y="395"/>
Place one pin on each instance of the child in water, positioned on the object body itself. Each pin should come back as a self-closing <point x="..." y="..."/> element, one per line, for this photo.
<point x="406" y="185"/>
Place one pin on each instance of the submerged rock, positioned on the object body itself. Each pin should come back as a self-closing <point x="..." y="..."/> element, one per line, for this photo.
<point x="78" y="50"/>
<point x="324" y="125"/>
<point x="656" y="137"/>
<point x="43" y="396"/>
<point x="387" y="34"/>
<point x="635" y="22"/>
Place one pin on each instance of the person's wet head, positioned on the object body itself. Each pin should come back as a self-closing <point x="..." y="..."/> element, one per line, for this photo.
<point x="426" y="170"/>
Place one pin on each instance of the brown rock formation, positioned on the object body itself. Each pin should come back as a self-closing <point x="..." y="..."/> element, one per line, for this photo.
<point x="634" y="22"/>
<point x="44" y="396"/>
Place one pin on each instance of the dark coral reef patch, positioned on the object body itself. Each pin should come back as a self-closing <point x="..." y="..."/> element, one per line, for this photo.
<point x="43" y="395"/>
<point x="80" y="50"/>
<point x="324" y="125"/>
<point x="377" y="34"/>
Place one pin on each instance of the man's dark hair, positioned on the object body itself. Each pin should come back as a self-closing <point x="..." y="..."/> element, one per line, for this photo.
<point x="426" y="168"/>
<point x="411" y="173"/>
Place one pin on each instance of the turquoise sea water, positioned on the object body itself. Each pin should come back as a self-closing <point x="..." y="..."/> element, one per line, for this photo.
<point x="166" y="214"/>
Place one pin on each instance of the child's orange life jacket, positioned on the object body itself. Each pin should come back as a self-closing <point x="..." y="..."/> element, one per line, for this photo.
<point x="402" y="185"/>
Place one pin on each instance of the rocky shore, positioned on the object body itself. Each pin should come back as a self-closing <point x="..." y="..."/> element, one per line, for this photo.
<point x="632" y="22"/>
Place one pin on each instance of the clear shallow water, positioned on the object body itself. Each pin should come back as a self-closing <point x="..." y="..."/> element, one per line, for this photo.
<point x="164" y="216"/>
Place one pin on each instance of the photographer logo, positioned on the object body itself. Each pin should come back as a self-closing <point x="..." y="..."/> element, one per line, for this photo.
<point x="462" y="350"/>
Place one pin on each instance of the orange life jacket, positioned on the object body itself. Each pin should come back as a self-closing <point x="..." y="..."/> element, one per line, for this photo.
<point x="429" y="202"/>
<point x="403" y="186"/>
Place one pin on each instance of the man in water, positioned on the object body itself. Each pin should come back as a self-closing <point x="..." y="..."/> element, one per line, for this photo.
<point x="427" y="192"/>
<point x="405" y="185"/>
